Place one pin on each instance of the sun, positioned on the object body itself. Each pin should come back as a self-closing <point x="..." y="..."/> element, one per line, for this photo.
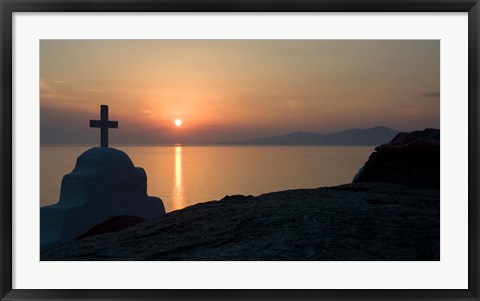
<point x="178" y="122"/>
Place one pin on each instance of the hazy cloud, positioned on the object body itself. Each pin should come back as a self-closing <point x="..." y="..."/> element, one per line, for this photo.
<point x="94" y="90"/>
<point x="60" y="82"/>
<point x="53" y="93"/>
<point x="292" y="104"/>
<point x="435" y="94"/>
<point x="151" y="114"/>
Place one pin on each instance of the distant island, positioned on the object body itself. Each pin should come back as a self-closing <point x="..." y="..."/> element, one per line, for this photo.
<point x="371" y="136"/>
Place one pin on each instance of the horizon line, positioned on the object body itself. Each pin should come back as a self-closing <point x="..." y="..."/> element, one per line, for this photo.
<point x="196" y="144"/>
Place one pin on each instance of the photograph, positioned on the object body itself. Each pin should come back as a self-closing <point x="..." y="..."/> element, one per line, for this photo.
<point x="239" y="150"/>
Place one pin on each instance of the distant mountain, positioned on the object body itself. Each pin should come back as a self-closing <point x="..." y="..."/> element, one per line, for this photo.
<point x="372" y="136"/>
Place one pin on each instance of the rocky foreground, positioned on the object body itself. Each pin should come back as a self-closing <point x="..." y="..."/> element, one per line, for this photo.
<point x="390" y="212"/>
<point x="349" y="222"/>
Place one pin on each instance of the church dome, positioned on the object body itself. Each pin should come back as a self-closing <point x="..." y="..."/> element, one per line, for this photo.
<point x="103" y="159"/>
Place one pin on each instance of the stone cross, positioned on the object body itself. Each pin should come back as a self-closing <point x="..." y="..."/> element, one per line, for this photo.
<point x="104" y="124"/>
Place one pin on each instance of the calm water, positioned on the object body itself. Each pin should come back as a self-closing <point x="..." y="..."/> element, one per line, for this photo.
<point x="183" y="176"/>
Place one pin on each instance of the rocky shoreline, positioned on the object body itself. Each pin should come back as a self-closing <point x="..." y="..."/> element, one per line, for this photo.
<point x="383" y="218"/>
<point x="362" y="221"/>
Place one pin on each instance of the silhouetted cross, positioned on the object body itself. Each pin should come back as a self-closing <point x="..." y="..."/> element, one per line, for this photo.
<point x="104" y="124"/>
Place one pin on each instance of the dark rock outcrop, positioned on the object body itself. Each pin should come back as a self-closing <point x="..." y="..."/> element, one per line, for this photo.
<point x="114" y="224"/>
<point x="364" y="221"/>
<point x="411" y="159"/>
<point x="234" y="197"/>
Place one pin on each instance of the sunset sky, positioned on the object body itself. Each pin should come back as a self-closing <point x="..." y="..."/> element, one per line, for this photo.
<point x="228" y="90"/>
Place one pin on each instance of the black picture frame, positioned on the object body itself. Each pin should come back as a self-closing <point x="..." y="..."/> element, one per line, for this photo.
<point x="8" y="7"/>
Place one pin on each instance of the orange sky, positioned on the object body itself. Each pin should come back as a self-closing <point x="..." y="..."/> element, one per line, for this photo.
<point x="234" y="89"/>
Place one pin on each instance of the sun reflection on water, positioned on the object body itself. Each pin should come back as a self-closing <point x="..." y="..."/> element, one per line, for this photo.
<point x="178" y="194"/>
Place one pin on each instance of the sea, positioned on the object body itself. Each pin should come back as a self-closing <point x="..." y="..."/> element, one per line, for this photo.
<point x="186" y="175"/>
